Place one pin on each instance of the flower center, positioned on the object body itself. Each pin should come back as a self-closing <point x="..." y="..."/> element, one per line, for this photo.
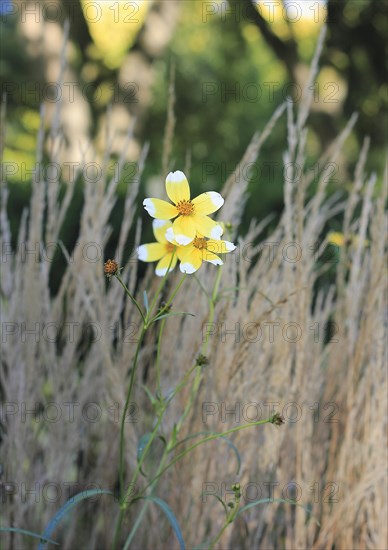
<point x="199" y="242"/>
<point x="185" y="208"/>
<point x="170" y="248"/>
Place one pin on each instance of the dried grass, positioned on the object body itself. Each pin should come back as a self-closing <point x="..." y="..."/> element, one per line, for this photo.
<point x="348" y="455"/>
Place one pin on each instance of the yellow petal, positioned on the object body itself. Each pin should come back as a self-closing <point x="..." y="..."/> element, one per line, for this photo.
<point x="207" y="227"/>
<point x="163" y="265"/>
<point x="191" y="261"/>
<point x="184" y="230"/>
<point x="151" y="252"/>
<point x="207" y="203"/>
<point x="220" y="247"/>
<point x="177" y="187"/>
<point x="160" y="227"/>
<point x="160" y="209"/>
<point x="211" y="257"/>
<point x="182" y="251"/>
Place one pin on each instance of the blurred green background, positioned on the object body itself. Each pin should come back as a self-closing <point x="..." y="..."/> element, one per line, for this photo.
<point x="228" y="58"/>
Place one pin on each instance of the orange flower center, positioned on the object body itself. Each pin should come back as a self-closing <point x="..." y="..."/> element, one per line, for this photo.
<point x="199" y="242"/>
<point x="170" y="248"/>
<point x="185" y="208"/>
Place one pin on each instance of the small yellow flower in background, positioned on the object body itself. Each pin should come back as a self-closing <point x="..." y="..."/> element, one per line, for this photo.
<point x="202" y="250"/>
<point x="336" y="238"/>
<point x="162" y="250"/>
<point x="191" y="214"/>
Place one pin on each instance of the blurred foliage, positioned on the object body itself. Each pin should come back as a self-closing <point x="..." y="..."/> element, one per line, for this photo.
<point x="225" y="56"/>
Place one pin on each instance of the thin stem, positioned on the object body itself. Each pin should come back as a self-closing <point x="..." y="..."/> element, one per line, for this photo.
<point x="205" y="440"/>
<point x="122" y="427"/>
<point x="153" y="434"/>
<point x="212" y="545"/>
<point x="182" y="384"/>
<point x="147" y="322"/>
<point x="141" y="460"/>
<point x="130" y="296"/>
<point x="144" y="509"/>
<point x="158" y="351"/>
<point x="136" y="525"/>
<point x="160" y="287"/>
<point x="168" y="303"/>
<point x="198" y="375"/>
<point x="230" y="518"/>
<point x="137" y="471"/>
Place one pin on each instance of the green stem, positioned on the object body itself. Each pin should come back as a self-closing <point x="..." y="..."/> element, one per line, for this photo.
<point x="168" y="303"/>
<point x="228" y="521"/>
<point x="136" y="525"/>
<point x="130" y="296"/>
<point x="158" y="351"/>
<point x="122" y="427"/>
<point x="144" y="509"/>
<point x="205" y="440"/>
<point x="198" y="374"/>
<point x="124" y="503"/>
<point x="212" y="545"/>
<point x="182" y="384"/>
<point x="153" y="434"/>
<point x="160" y="288"/>
<point x="137" y="471"/>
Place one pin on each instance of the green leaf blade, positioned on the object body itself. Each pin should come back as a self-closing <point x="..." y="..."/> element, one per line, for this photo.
<point x="171" y="518"/>
<point x="27" y="533"/>
<point x="53" y="523"/>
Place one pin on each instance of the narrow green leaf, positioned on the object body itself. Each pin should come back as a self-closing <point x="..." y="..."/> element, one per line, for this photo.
<point x="171" y="518"/>
<point x="66" y="509"/>
<point x="232" y="446"/>
<point x="142" y="446"/>
<point x="149" y="395"/>
<point x="28" y="533"/>
<point x="145" y="301"/>
<point x="174" y="435"/>
<point x="173" y="313"/>
<point x="266" y="500"/>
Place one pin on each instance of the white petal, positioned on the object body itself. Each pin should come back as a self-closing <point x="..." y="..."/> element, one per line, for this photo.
<point x="159" y="223"/>
<point x="216" y="261"/>
<point x="182" y="239"/>
<point x="229" y="246"/>
<point x="216" y="198"/>
<point x="161" y="272"/>
<point x="170" y="235"/>
<point x="176" y="176"/>
<point x="147" y="203"/>
<point x="216" y="232"/>
<point x="142" y="253"/>
<point x="186" y="267"/>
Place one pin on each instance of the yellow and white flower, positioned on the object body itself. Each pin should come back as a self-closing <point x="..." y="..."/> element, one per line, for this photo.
<point x="162" y="251"/>
<point x="202" y="250"/>
<point x="191" y="214"/>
